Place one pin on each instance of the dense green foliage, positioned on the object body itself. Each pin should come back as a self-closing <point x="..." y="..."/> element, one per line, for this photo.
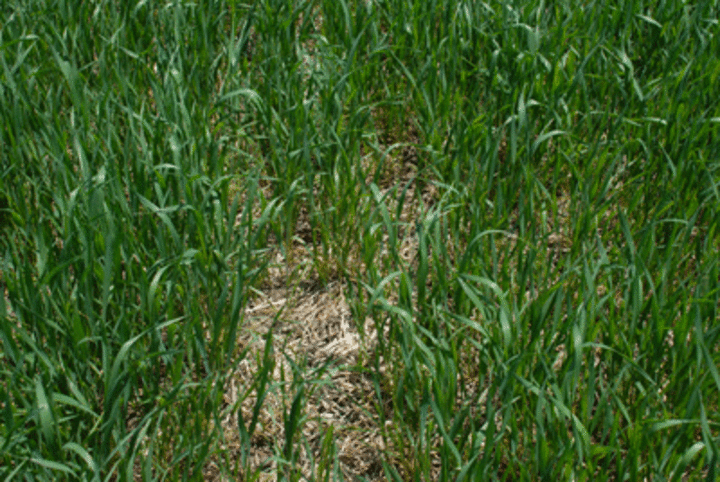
<point x="559" y="318"/>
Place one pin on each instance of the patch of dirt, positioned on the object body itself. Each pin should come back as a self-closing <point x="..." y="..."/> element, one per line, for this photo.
<point x="313" y="329"/>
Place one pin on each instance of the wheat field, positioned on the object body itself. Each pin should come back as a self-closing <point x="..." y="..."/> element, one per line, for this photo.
<point x="404" y="240"/>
